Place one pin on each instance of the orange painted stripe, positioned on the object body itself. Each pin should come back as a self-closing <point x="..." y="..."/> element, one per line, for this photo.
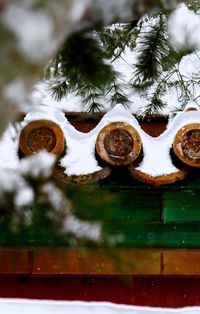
<point x="67" y="261"/>
<point x="181" y="263"/>
<point x="84" y="261"/>
<point x="14" y="261"/>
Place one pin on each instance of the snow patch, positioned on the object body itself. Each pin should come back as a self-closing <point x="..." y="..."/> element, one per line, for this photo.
<point x="82" y="229"/>
<point x="24" y="196"/>
<point x="156" y="159"/>
<point x="33" y="30"/>
<point x="16" y="91"/>
<point x="79" y="158"/>
<point x="8" y="149"/>
<point x="78" y="8"/>
<point x="184" y="28"/>
<point x="56" y="198"/>
<point x="38" y="165"/>
<point x="19" y="306"/>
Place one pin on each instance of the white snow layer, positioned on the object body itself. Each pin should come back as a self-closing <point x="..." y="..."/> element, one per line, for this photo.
<point x="79" y="158"/>
<point x="16" y="91"/>
<point x="184" y="28"/>
<point x="20" y="306"/>
<point x="39" y="165"/>
<point x="34" y="31"/>
<point x="157" y="160"/>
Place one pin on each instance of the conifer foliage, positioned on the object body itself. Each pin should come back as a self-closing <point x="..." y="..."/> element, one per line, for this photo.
<point x="85" y="65"/>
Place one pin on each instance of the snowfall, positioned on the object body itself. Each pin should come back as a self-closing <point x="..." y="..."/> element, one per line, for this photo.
<point x="40" y="105"/>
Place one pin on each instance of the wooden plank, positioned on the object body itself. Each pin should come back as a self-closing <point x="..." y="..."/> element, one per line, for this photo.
<point x="68" y="261"/>
<point x="181" y="206"/>
<point x="58" y="261"/>
<point x="133" y="234"/>
<point x="181" y="263"/>
<point x="177" y="235"/>
<point x="14" y="261"/>
<point x="116" y="206"/>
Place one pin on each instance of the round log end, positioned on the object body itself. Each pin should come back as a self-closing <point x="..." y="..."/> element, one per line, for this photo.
<point x="158" y="180"/>
<point x="118" y="144"/>
<point x="41" y="134"/>
<point x="186" y="144"/>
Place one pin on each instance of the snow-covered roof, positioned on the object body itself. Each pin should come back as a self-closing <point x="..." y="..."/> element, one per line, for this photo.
<point x="79" y="157"/>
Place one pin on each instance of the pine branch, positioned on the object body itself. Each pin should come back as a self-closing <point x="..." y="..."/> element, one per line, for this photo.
<point x="194" y="5"/>
<point x="151" y="47"/>
<point x="81" y="64"/>
<point x="119" y="97"/>
<point x="59" y="90"/>
<point x="155" y="106"/>
<point x="92" y="101"/>
<point x="85" y="65"/>
<point x="115" y="39"/>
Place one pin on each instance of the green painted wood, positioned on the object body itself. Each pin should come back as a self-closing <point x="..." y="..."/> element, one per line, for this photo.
<point x="130" y="213"/>
<point x="134" y="235"/>
<point x="182" y="206"/>
<point x="178" y="235"/>
<point x="122" y="180"/>
<point x="118" y="205"/>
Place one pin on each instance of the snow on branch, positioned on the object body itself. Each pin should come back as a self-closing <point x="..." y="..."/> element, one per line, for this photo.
<point x="32" y="32"/>
<point x="184" y="29"/>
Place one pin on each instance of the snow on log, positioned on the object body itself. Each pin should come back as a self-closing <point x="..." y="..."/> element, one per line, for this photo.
<point x="118" y="144"/>
<point x="186" y="144"/>
<point x="41" y="135"/>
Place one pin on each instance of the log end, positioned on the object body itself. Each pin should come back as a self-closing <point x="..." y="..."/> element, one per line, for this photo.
<point x="118" y="144"/>
<point x="186" y="144"/>
<point x="41" y="135"/>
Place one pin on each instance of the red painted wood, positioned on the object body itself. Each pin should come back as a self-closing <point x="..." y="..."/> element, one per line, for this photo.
<point x="168" y="292"/>
<point x="152" y="128"/>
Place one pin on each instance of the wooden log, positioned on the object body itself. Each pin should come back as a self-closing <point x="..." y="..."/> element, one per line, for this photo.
<point x="118" y="144"/>
<point x="41" y="134"/>
<point x="186" y="144"/>
<point x="81" y="179"/>
<point x="157" y="180"/>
